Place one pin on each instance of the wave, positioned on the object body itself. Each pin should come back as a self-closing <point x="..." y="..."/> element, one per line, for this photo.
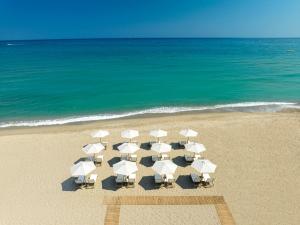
<point x="242" y="107"/>
<point x="10" y="44"/>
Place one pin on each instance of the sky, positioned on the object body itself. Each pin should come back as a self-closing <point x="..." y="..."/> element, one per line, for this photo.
<point x="60" y="19"/>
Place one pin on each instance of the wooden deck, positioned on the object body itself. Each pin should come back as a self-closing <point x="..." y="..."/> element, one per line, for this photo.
<point x="114" y="204"/>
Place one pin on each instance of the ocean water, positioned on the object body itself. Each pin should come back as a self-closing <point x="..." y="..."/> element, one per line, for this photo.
<point x="60" y="81"/>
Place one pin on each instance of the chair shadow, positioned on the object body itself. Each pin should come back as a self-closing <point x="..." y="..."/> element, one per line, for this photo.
<point x="180" y="161"/>
<point x="82" y="159"/>
<point x="113" y="160"/>
<point x="146" y="161"/>
<point x="69" y="185"/>
<point x="109" y="183"/>
<point x="147" y="182"/>
<point x="176" y="146"/>
<point x="115" y="146"/>
<point x="185" y="182"/>
<point x="145" y="146"/>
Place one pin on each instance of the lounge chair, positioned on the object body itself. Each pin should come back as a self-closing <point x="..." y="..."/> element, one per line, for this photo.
<point x="91" y="180"/>
<point x="133" y="158"/>
<point x="125" y="157"/>
<point x="165" y="157"/>
<point x="196" y="179"/>
<point x="182" y="143"/>
<point x="156" y="158"/>
<point x="98" y="159"/>
<point x="207" y="181"/>
<point x="120" y="179"/>
<point x="80" y="181"/>
<point x="197" y="156"/>
<point x="189" y="158"/>
<point x="170" y="180"/>
<point x="131" y="180"/>
<point x="159" y="181"/>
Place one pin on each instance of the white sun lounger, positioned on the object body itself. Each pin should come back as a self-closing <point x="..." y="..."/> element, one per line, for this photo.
<point x="98" y="159"/>
<point x="196" y="179"/>
<point x="91" y="180"/>
<point x="159" y="181"/>
<point x="131" y="180"/>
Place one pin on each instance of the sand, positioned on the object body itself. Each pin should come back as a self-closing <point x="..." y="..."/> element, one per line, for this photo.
<point x="258" y="158"/>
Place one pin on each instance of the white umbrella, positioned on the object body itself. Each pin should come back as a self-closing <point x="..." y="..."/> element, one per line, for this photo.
<point x="204" y="166"/>
<point x="125" y="167"/>
<point x="188" y="133"/>
<point x="100" y="134"/>
<point x="82" y="168"/>
<point x="128" y="148"/>
<point x="195" y="147"/>
<point x="164" y="167"/>
<point x="129" y="134"/>
<point x="161" y="147"/>
<point x="158" y="133"/>
<point x="93" y="148"/>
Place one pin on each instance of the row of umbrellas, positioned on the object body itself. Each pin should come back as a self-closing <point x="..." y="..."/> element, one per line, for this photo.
<point x="126" y="168"/>
<point x="129" y="134"/>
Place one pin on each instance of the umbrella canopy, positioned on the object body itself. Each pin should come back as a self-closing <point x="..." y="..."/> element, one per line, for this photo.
<point x="129" y="134"/>
<point x="195" y="147"/>
<point x="204" y="166"/>
<point x="93" y="148"/>
<point x="188" y="133"/>
<point x="82" y="168"/>
<point x="125" y="167"/>
<point x="100" y="133"/>
<point x="164" y="167"/>
<point x="161" y="147"/>
<point x="158" y="133"/>
<point x="128" y="148"/>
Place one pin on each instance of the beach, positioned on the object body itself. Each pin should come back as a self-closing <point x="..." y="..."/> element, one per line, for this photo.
<point x="257" y="156"/>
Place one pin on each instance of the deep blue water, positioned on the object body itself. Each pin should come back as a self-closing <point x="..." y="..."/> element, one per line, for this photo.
<point x="53" y="79"/>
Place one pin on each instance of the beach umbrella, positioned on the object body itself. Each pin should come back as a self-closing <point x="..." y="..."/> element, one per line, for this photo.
<point x="204" y="166"/>
<point x="82" y="168"/>
<point x="128" y="148"/>
<point x="100" y="134"/>
<point x="129" y="134"/>
<point x="188" y="133"/>
<point x="93" y="148"/>
<point x="161" y="147"/>
<point x="158" y="133"/>
<point x="125" y="167"/>
<point x="195" y="147"/>
<point x="164" y="167"/>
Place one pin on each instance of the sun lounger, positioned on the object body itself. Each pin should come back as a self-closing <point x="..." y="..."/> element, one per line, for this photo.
<point x="80" y="181"/>
<point x="120" y="179"/>
<point x="207" y="181"/>
<point x="91" y="180"/>
<point x="170" y="180"/>
<point x="159" y="181"/>
<point x="165" y="157"/>
<point x="189" y="158"/>
<point x="156" y="158"/>
<point x="125" y="157"/>
<point x="131" y="180"/>
<point x="133" y="158"/>
<point x="197" y="156"/>
<point x="98" y="159"/>
<point x="182" y="143"/>
<point x="196" y="179"/>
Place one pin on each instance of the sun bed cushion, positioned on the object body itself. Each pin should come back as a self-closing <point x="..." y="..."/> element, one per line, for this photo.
<point x="195" y="178"/>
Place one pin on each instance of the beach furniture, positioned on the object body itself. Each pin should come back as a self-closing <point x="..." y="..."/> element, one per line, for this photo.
<point x="158" y="179"/>
<point x="98" y="159"/>
<point x="124" y="169"/>
<point x="196" y="179"/>
<point x="91" y="150"/>
<point x="165" y="157"/>
<point x="101" y="134"/>
<point x="90" y="182"/>
<point x="131" y="180"/>
<point x="120" y="180"/>
<point x="160" y="148"/>
<point x="204" y="166"/>
<point x="188" y="133"/>
<point x="157" y="134"/>
<point x="164" y="167"/>
<point x="191" y="158"/>
<point x="169" y="180"/>
<point x="80" y="181"/>
<point x="130" y="134"/>
<point x="207" y="181"/>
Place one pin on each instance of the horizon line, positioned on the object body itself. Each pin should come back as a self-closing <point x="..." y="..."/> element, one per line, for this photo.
<point x="95" y="38"/>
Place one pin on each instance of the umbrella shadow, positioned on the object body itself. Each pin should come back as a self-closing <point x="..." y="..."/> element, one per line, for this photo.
<point x="82" y="159"/>
<point x="113" y="160"/>
<point x="176" y="146"/>
<point x="147" y="161"/>
<point x="115" y="146"/>
<point x="180" y="161"/>
<point x="185" y="182"/>
<point x="109" y="183"/>
<point x="145" y="146"/>
<point x="147" y="182"/>
<point x="69" y="185"/>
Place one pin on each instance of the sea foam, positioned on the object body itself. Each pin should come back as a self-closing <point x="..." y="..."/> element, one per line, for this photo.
<point x="243" y="107"/>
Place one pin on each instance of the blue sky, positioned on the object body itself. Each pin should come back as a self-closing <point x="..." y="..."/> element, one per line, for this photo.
<point x="39" y="19"/>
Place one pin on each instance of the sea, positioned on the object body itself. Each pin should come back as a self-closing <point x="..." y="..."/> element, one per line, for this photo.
<point x="51" y="82"/>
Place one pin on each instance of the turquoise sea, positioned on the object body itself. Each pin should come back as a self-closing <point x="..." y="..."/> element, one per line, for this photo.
<point x="60" y="81"/>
